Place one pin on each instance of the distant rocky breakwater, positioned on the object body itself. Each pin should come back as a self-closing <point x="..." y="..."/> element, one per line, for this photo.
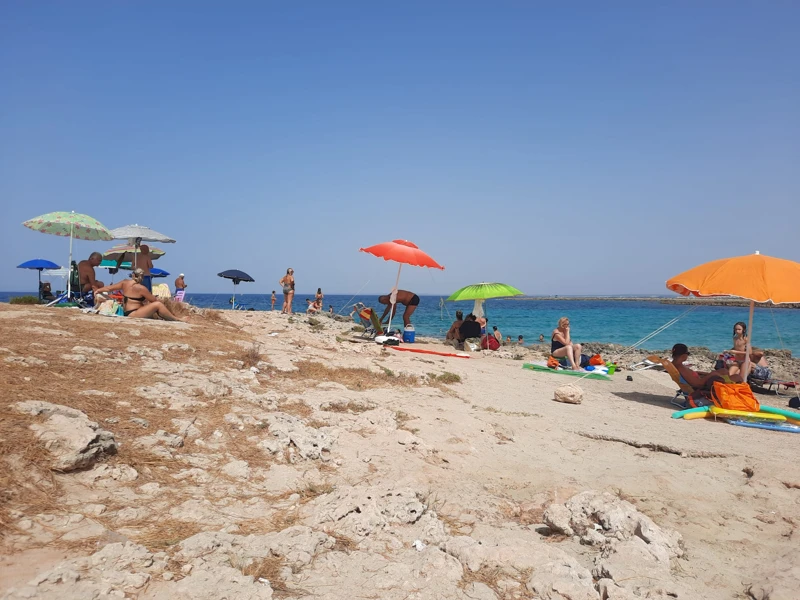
<point x="725" y="301"/>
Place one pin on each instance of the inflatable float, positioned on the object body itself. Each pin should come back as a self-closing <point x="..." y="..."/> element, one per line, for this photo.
<point x="771" y="426"/>
<point x="745" y="415"/>
<point x="792" y="417"/>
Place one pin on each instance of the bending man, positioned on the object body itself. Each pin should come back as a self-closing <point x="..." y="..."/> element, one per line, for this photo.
<point x="409" y="299"/>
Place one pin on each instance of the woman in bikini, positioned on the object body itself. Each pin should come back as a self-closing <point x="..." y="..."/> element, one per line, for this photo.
<point x="561" y="344"/>
<point x="137" y="301"/>
<point x="287" y="282"/>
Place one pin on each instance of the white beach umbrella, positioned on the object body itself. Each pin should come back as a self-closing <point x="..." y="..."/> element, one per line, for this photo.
<point x="136" y="234"/>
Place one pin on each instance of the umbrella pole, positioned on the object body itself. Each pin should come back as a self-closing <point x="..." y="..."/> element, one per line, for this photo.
<point x="40" y="285"/>
<point x="393" y="301"/>
<point x="749" y="347"/>
<point x="69" y="279"/>
<point x="233" y="299"/>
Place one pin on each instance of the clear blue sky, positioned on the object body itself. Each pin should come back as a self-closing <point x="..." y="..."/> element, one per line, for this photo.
<point x="565" y="148"/>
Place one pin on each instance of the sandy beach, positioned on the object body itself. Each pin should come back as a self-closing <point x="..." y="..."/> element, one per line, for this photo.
<point x="249" y="455"/>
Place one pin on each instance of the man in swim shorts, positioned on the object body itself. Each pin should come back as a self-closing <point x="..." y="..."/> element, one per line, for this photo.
<point x="409" y="299"/>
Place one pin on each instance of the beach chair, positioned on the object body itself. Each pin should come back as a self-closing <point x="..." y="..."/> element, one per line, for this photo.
<point x="646" y="364"/>
<point x="768" y="384"/>
<point x="367" y="317"/>
<point x="75" y="297"/>
<point x="684" y="390"/>
<point x="179" y="295"/>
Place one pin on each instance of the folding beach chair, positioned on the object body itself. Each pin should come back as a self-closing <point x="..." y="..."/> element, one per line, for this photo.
<point x="645" y="364"/>
<point x="768" y="384"/>
<point x="368" y="318"/>
<point x="179" y="295"/>
<point x="75" y="297"/>
<point x="684" y="390"/>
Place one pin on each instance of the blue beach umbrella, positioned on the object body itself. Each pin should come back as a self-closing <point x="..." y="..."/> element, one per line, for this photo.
<point x="39" y="264"/>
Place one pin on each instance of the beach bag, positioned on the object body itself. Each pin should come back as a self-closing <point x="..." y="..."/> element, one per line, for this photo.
<point x="585" y="358"/>
<point x="489" y="342"/>
<point x="552" y="363"/>
<point x="597" y="361"/>
<point x="734" y="396"/>
<point x="110" y="308"/>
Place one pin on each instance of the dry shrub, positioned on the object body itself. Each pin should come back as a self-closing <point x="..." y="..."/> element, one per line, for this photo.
<point x="351" y="378"/>
<point x="250" y="356"/>
<point x="492" y="576"/>
<point x="348" y="407"/>
<point x="179" y="309"/>
<point x="402" y="418"/>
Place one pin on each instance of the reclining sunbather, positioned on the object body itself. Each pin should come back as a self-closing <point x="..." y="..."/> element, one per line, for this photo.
<point x="137" y="301"/>
<point x="701" y="381"/>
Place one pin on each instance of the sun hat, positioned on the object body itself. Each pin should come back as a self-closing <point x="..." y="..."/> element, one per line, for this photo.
<point x="181" y="275"/>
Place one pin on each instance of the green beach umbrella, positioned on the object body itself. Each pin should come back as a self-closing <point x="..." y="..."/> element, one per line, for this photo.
<point x="483" y="291"/>
<point x="72" y="225"/>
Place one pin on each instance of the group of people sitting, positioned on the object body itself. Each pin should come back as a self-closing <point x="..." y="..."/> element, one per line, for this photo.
<point x="727" y="369"/>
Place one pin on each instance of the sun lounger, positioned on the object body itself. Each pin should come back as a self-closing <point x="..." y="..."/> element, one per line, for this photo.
<point x="179" y="295"/>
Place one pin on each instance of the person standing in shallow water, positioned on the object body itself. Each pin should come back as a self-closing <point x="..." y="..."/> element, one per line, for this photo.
<point x="287" y="284"/>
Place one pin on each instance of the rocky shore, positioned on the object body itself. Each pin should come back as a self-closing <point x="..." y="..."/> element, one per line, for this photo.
<point x="724" y="301"/>
<point x="251" y="455"/>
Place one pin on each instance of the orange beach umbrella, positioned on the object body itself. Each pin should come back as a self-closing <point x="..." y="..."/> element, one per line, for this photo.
<point x="405" y="253"/>
<point x="754" y="277"/>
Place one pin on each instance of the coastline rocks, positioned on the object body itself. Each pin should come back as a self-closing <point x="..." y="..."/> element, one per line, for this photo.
<point x="568" y="394"/>
<point x="69" y="436"/>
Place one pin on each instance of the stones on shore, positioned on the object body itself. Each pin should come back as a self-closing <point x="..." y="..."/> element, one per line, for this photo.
<point x="568" y="394"/>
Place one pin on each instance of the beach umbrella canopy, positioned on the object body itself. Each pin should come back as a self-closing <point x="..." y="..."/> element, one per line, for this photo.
<point x="405" y="253"/>
<point x="40" y="265"/>
<point x="115" y="252"/>
<point x="72" y="225"/>
<point x="755" y="277"/>
<point x="481" y="292"/>
<point x="140" y="233"/>
<point x="236" y="276"/>
<point x="158" y="273"/>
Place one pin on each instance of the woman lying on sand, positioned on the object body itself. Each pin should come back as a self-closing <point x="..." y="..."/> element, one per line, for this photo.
<point x="137" y="301"/>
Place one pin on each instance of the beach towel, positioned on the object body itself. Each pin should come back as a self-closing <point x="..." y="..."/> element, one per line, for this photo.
<point x="584" y="374"/>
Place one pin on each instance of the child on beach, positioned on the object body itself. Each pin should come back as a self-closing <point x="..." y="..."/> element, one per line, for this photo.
<point x="273" y="300"/>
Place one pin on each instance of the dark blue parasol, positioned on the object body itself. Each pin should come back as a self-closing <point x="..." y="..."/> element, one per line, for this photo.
<point x="39" y="264"/>
<point x="236" y="276"/>
<point x="158" y="273"/>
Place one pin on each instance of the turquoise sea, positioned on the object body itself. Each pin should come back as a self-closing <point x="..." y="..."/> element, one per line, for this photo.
<point x="621" y="322"/>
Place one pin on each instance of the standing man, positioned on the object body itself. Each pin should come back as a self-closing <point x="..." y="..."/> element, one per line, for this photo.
<point x="86" y="272"/>
<point x="142" y="261"/>
<point x="408" y="299"/>
<point x="180" y="283"/>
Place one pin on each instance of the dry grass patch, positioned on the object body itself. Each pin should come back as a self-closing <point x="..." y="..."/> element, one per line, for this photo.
<point x="492" y="577"/>
<point x="446" y="378"/>
<point x="298" y="408"/>
<point x="164" y="533"/>
<point x="269" y="569"/>
<point x="351" y="378"/>
<point x="402" y="418"/>
<point x="343" y="543"/>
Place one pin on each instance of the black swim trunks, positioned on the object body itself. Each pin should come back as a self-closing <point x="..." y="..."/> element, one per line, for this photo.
<point x="414" y="300"/>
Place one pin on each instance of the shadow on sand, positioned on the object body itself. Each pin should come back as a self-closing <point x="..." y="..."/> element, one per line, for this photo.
<point x="662" y="400"/>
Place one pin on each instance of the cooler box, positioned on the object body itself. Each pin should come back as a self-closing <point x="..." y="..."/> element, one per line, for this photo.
<point x="408" y="334"/>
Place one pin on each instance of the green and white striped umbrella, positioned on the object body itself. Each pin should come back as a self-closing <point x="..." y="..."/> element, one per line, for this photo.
<point x="72" y="225"/>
